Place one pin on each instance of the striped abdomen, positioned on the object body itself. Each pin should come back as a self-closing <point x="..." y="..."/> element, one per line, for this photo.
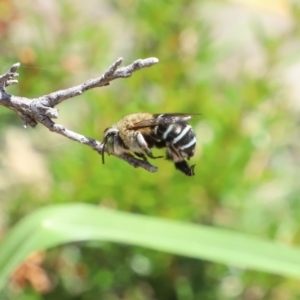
<point x="180" y="136"/>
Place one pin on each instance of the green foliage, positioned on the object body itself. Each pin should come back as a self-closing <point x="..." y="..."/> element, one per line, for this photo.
<point x="247" y="152"/>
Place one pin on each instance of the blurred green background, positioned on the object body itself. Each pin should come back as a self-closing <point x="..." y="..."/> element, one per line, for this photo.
<point x="235" y="62"/>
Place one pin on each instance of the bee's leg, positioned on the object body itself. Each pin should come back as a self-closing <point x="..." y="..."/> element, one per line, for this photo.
<point x="141" y="155"/>
<point x="136" y="163"/>
<point x="185" y="168"/>
<point x="144" y="146"/>
<point x="173" y="153"/>
<point x="179" y="162"/>
<point x="150" y="154"/>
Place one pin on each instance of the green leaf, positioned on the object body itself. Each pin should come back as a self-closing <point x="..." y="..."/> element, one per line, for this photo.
<point x="60" y="224"/>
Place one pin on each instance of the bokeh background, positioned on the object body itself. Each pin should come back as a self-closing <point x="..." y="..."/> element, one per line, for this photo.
<point x="235" y="62"/>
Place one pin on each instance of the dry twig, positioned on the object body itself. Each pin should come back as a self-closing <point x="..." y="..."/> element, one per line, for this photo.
<point x="42" y="110"/>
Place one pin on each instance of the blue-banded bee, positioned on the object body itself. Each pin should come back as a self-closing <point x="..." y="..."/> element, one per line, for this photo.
<point x="140" y="132"/>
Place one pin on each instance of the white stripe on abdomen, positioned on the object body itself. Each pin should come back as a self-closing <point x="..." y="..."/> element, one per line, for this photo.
<point x="188" y="145"/>
<point x="170" y="128"/>
<point x="181" y="135"/>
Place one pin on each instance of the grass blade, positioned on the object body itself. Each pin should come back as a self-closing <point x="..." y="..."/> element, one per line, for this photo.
<point x="59" y="224"/>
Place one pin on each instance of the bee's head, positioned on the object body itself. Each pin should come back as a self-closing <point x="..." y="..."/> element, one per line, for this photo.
<point x="108" y="141"/>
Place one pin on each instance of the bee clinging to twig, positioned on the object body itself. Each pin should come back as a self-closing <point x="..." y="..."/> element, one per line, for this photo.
<point x="138" y="133"/>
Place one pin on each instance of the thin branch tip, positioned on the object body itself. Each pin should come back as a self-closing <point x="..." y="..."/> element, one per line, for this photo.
<point x="154" y="59"/>
<point x="120" y="59"/>
<point x="15" y="66"/>
<point x="42" y="110"/>
<point x="11" y="82"/>
<point x="118" y="62"/>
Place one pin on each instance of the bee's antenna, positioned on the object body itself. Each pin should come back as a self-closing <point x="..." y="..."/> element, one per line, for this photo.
<point x="103" y="149"/>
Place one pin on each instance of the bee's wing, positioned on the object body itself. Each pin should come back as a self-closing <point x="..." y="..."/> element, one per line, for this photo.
<point x="163" y="119"/>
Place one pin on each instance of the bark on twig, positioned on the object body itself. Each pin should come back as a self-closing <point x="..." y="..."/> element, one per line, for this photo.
<point x="42" y="110"/>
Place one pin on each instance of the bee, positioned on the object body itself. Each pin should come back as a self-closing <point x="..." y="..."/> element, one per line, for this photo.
<point x="138" y="133"/>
